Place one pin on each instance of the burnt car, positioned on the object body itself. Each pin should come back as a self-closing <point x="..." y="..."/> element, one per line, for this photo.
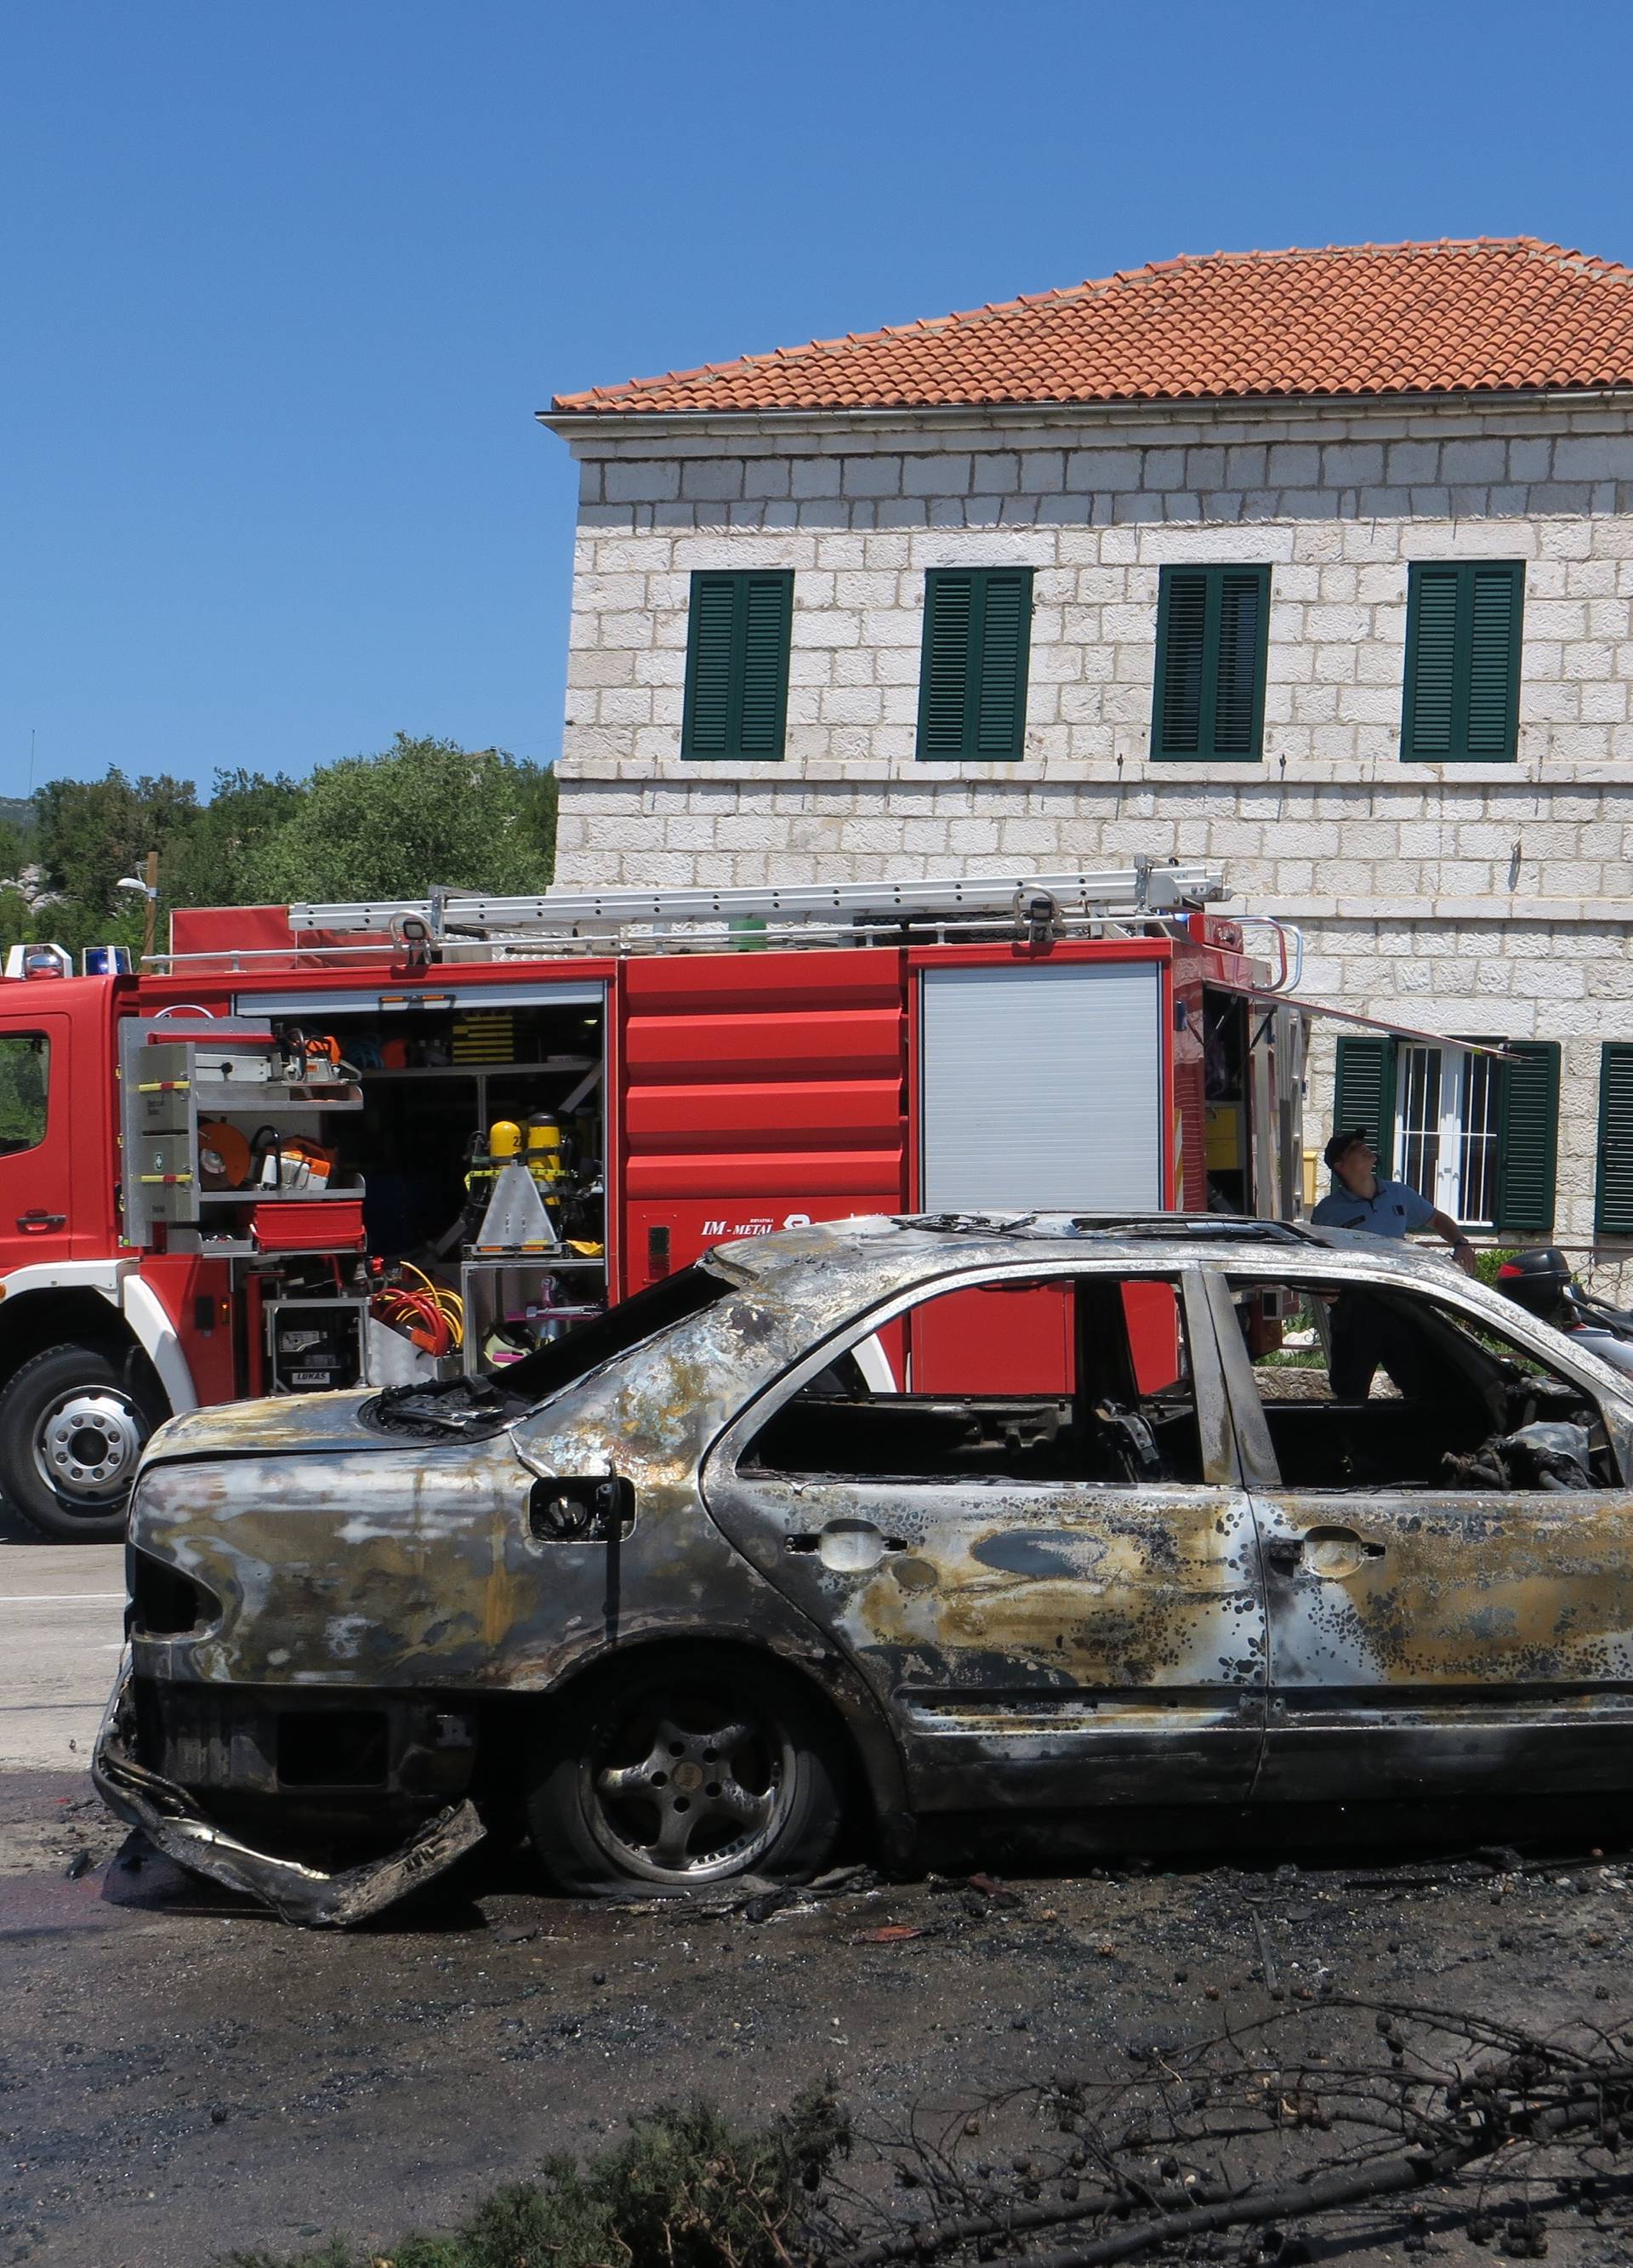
<point x="897" y="1520"/>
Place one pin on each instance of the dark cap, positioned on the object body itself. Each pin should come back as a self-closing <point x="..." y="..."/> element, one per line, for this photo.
<point x="1338" y="1143"/>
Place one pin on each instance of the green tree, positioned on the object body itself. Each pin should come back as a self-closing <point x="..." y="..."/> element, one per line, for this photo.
<point x="88" y="833"/>
<point x="422" y="811"/>
<point x="212" y="863"/>
<point x="385" y="826"/>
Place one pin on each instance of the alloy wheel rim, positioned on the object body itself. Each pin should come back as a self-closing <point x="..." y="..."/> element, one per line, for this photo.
<point x="688" y="1787"/>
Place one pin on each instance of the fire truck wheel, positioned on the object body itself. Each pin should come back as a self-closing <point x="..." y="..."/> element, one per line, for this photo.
<point x="683" y="1775"/>
<point x="72" y="1426"/>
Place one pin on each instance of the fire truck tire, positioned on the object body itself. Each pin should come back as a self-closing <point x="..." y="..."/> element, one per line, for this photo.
<point x="73" y="1422"/>
<point x="681" y="1774"/>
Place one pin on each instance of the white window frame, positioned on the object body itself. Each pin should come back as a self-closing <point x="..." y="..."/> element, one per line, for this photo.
<point x="1446" y="1150"/>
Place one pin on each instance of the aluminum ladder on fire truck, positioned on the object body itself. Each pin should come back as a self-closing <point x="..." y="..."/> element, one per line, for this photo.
<point x="1147" y="890"/>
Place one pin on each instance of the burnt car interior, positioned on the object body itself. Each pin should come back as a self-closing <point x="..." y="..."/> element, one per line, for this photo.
<point x="1116" y="1407"/>
<point x="1448" y="1404"/>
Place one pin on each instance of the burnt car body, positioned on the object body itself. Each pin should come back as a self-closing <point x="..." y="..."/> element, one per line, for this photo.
<point x="693" y="1581"/>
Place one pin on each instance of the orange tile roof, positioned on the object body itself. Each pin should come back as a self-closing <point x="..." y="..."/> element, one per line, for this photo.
<point x="1486" y="313"/>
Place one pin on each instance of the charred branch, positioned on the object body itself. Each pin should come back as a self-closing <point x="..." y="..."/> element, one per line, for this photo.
<point x="1269" y="2125"/>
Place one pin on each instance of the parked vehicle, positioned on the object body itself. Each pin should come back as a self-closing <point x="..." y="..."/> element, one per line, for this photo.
<point x="273" y="1162"/>
<point x="1541" y="1281"/>
<point x="701" y="1582"/>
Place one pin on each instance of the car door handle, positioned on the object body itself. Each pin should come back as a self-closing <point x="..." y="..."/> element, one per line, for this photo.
<point x="850" y="1547"/>
<point x="38" y="1223"/>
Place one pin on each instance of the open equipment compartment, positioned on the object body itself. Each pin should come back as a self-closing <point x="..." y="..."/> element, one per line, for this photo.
<point x="347" y="1207"/>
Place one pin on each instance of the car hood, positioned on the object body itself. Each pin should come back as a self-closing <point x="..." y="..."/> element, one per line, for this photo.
<point x="288" y="1424"/>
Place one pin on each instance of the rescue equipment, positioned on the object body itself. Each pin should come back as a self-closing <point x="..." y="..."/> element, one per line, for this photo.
<point x="225" y="1157"/>
<point x="546" y="1154"/>
<point x="428" y="1312"/>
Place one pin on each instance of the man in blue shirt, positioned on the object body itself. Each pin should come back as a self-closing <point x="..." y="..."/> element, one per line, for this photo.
<point x="1381" y="1208"/>
<point x="1365" y="1334"/>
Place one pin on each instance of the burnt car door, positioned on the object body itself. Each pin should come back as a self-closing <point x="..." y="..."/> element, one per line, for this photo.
<point x="1448" y="1548"/>
<point x="1054" y="1594"/>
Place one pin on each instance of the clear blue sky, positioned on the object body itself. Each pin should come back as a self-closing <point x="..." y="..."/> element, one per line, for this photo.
<point x="284" y="283"/>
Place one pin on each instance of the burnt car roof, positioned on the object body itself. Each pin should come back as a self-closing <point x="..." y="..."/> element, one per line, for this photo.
<point x="918" y="1241"/>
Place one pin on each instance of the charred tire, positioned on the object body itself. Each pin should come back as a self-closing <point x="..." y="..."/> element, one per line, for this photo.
<point x="685" y="1772"/>
<point x="73" y="1422"/>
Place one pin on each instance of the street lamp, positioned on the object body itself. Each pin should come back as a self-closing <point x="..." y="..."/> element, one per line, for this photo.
<point x="148" y="885"/>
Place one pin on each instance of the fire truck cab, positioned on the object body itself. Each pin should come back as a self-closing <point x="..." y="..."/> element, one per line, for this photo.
<point x="319" y="1147"/>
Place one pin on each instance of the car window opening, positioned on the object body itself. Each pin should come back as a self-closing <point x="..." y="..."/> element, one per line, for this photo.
<point x="1083" y="1380"/>
<point x="1374" y="1386"/>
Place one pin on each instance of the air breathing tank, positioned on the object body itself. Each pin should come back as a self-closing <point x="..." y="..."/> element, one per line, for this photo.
<point x="546" y="1156"/>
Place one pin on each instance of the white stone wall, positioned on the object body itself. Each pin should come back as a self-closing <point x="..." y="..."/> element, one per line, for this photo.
<point x="1467" y="898"/>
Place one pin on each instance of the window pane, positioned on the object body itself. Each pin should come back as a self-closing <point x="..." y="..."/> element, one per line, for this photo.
<point x="1476" y="1187"/>
<point x="25" y="1069"/>
<point x="1419" y="1145"/>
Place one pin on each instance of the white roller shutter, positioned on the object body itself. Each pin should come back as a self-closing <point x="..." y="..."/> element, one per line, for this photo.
<point x="1040" y="1088"/>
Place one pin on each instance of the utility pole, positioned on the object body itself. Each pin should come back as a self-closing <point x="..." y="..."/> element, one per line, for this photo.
<point x="150" y="908"/>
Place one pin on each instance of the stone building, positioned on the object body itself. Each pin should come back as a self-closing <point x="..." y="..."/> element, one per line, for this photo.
<point x="1318" y="564"/>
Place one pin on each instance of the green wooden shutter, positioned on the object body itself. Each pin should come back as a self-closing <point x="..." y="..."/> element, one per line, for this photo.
<point x="1182" y="626"/>
<point x="1495" y="595"/>
<point x="1430" y="663"/>
<point x="763" y="709"/>
<point x="1212" y="623"/>
<point x="706" y="729"/>
<point x="1238" y="681"/>
<point x="944" y="670"/>
<point x="1463" y="620"/>
<point x="1000" y="692"/>
<point x="1613" y="1203"/>
<point x="1527" y="1135"/>
<point x="1364" y="1094"/>
<point x="972" y="699"/>
<point x="737" y="665"/>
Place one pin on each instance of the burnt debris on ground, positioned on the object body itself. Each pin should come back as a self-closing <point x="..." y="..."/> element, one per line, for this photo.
<point x="174" y="2061"/>
<point x="1328" y="2118"/>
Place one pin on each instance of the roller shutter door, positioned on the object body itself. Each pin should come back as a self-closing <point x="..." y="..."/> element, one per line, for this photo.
<point x="1041" y="1089"/>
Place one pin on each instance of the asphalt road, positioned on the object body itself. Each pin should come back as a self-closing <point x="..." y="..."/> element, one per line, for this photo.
<point x="62" y="1611"/>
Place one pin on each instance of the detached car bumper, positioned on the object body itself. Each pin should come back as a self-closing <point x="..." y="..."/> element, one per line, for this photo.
<point x="175" y="1824"/>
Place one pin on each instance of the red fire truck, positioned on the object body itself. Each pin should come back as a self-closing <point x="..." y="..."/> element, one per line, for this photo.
<point x="272" y="1162"/>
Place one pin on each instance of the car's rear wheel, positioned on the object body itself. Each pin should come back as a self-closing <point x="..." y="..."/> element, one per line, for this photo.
<point x="73" y="1423"/>
<point x="679" y="1774"/>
